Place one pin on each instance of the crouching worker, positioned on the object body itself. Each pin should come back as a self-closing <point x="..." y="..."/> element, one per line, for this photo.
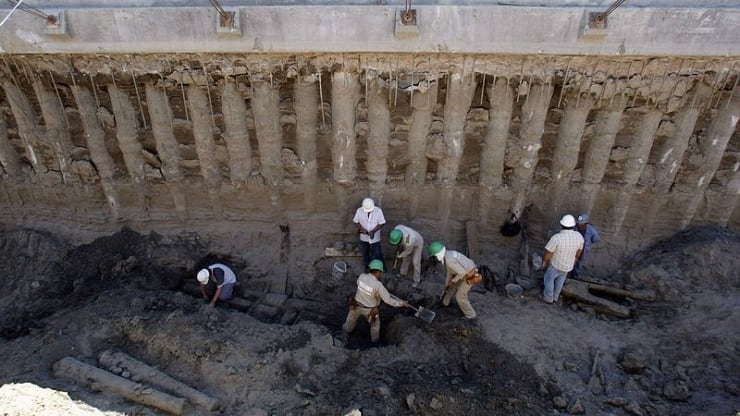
<point x="370" y="291"/>
<point x="461" y="276"/>
<point x="220" y="276"/>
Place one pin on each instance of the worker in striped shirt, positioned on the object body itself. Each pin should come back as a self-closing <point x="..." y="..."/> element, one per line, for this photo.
<point x="561" y="254"/>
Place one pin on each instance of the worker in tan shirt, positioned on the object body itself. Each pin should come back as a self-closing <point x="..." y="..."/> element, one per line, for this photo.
<point x="462" y="274"/>
<point x="370" y="292"/>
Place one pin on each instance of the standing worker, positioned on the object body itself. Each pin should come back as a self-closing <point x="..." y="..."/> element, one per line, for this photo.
<point x="461" y="276"/>
<point x="561" y="254"/>
<point x="410" y="245"/>
<point x="369" y="220"/>
<point x="590" y="237"/>
<point x="366" y="302"/>
<point x="222" y="277"/>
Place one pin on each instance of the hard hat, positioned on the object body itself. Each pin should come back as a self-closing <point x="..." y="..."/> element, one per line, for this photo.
<point x="435" y="248"/>
<point x="368" y="205"/>
<point x="376" y="265"/>
<point x="583" y="219"/>
<point x="203" y="276"/>
<point x="568" y="221"/>
<point x="396" y="236"/>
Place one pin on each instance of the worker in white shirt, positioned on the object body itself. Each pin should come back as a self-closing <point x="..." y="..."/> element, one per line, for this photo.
<point x="369" y="220"/>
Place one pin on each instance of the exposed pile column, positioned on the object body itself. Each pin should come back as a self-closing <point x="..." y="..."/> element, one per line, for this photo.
<point x="103" y="161"/>
<point x="379" y="119"/>
<point x="57" y="132"/>
<point x="167" y="147"/>
<point x="731" y="198"/>
<point x="126" y="132"/>
<point x="534" y="113"/>
<point x="345" y="95"/>
<point x="306" y="114"/>
<point x="9" y="159"/>
<point x="565" y="158"/>
<point x="460" y="90"/>
<point x="597" y="155"/>
<point x="634" y="165"/>
<point x="205" y="146"/>
<point x="421" y="120"/>
<point x="236" y="134"/>
<point x="501" y="97"/>
<point x="27" y="129"/>
<point x="266" y="111"/>
<point x="700" y="170"/>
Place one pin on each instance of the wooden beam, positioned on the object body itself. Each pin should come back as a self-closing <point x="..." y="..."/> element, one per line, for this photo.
<point x="578" y="290"/>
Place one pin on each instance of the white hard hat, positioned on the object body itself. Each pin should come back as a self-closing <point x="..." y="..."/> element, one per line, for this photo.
<point x="203" y="276"/>
<point x="368" y="205"/>
<point x="568" y="221"/>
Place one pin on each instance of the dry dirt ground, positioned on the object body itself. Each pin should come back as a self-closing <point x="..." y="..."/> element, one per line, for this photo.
<point x="677" y="355"/>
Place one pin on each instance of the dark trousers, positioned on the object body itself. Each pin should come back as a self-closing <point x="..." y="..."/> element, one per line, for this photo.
<point x="370" y="252"/>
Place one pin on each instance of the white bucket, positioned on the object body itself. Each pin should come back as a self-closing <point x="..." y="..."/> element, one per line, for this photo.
<point x="338" y="271"/>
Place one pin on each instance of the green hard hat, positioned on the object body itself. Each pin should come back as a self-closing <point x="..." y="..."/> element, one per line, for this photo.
<point x="376" y="265"/>
<point x="435" y="248"/>
<point x="396" y="236"/>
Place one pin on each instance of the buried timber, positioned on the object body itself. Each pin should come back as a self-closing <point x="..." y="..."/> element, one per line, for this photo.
<point x="266" y="353"/>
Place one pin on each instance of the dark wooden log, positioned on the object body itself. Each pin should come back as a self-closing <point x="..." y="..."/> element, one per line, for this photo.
<point x="579" y="291"/>
<point x="155" y="377"/>
<point x="87" y="374"/>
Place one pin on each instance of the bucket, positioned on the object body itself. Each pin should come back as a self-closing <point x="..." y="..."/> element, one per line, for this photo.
<point x="514" y="291"/>
<point x="338" y="271"/>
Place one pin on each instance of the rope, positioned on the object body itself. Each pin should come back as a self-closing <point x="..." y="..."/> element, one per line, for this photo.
<point x="11" y="12"/>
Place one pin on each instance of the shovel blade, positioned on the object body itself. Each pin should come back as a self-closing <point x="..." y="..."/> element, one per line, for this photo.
<point x="425" y="314"/>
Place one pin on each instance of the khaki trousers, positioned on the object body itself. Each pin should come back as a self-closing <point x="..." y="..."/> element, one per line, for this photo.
<point x="355" y="313"/>
<point x="460" y="291"/>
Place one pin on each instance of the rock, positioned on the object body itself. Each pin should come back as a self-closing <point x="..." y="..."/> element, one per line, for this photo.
<point x="594" y="384"/>
<point x="559" y="402"/>
<point x="436" y="404"/>
<point x="632" y="362"/>
<point x="677" y="390"/>
<point x="634" y="408"/>
<point x="411" y="402"/>
<point x="576" y="408"/>
<point x="436" y="147"/>
<point x="617" y="402"/>
<point x="570" y="366"/>
<point x="291" y="162"/>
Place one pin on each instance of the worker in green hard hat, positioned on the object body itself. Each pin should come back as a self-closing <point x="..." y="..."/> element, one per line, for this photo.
<point x="410" y="245"/>
<point x="366" y="302"/>
<point x="462" y="274"/>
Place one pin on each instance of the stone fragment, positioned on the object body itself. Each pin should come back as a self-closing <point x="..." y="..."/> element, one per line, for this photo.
<point x="436" y="404"/>
<point x="632" y="362"/>
<point x="677" y="390"/>
<point x="559" y="402"/>
<point x="576" y="408"/>
<point x="634" y="409"/>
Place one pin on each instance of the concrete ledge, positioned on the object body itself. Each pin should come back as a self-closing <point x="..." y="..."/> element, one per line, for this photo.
<point x="298" y="29"/>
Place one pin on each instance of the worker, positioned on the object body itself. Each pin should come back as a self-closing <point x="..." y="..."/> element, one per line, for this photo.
<point x="220" y="276"/>
<point x="561" y="254"/>
<point x="590" y="237"/>
<point x="369" y="220"/>
<point x="462" y="274"/>
<point x="366" y="302"/>
<point x="409" y="244"/>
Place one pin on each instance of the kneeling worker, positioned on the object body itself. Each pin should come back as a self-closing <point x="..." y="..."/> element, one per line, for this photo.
<point x="222" y="276"/>
<point x="461" y="276"/>
<point x="366" y="302"/>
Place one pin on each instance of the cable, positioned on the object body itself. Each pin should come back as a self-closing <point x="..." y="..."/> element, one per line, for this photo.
<point x="11" y="12"/>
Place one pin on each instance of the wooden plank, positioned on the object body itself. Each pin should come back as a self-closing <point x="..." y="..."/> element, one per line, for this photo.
<point x="600" y="285"/>
<point x="579" y="291"/>
<point x="473" y="247"/>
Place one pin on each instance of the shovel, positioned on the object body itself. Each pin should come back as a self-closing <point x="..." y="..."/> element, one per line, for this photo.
<point x="424" y="314"/>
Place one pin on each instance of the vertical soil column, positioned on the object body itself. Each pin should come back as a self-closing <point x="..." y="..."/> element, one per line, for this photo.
<point x="597" y="156"/>
<point x="460" y="90"/>
<point x="534" y="112"/>
<point x="637" y="158"/>
<point x="236" y="134"/>
<point x="731" y="196"/>
<point x="126" y="134"/>
<point x="701" y="169"/>
<point x="266" y="111"/>
<point x="27" y="129"/>
<point x="103" y="161"/>
<point x="307" y="116"/>
<point x="565" y="158"/>
<point x="57" y="133"/>
<point x="205" y="146"/>
<point x="167" y="147"/>
<point x="9" y="159"/>
<point x="501" y="97"/>
<point x="345" y="94"/>
<point x="379" y="119"/>
<point x="421" y="120"/>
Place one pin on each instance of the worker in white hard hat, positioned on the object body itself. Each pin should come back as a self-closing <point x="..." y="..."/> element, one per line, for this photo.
<point x="590" y="237"/>
<point x="410" y="245"/>
<point x="219" y="276"/>
<point x="462" y="274"/>
<point x="369" y="220"/>
<point x="366" y="302"/>
<point x="561" y="254"/>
